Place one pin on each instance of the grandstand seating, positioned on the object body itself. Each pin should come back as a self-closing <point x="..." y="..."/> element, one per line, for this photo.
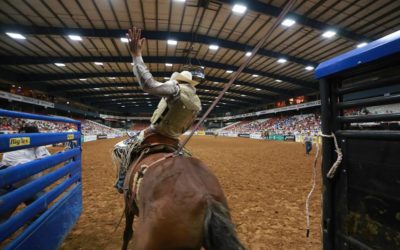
<point x="8" y="125"/>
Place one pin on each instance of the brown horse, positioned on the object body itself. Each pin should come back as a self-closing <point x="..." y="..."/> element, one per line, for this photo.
<point x="180" y="206"/>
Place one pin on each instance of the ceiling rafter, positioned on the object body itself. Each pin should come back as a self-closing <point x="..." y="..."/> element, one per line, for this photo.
<point x="313" y="85"/>
<point x="151" y="35"/>
<point x="271" y="10"/>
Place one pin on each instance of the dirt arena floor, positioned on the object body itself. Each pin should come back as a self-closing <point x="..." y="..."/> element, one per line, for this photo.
<point x="266" y="183"/>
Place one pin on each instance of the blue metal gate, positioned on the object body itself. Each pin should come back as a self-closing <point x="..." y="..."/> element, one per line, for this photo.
<point x="60" y="206"/>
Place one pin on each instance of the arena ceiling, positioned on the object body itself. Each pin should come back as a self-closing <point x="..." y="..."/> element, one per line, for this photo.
<point x="84" y="39"/>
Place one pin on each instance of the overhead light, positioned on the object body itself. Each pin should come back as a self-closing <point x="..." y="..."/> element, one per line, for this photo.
<point x="150" y="105"/>
<point x="168" y="64"/>
<point x="202" y="67"/>
<point x="239" y="8"/>
<point x="124" y="39"/>
<point x="282" y="60"/>
<point x="126" y="93"/>
<point x="123" y="106"/>
<point x="132" y="64"/>
<point x="172" y="42"/>
<point x="60" y="64"/>
<point x="98" y="63"/>
<point x="166" y="78"/>
<point x="232" y="99"/>
<point x="180" y="1"/>
<point x="248" y="53"/>
<point x="120" y="87"/>
<point x="145" y="93"/>
<point x="206" y="90"/>
<point x="213" y="47"/>
<point x="216" y="82"/>
<point x="309" y="68"/>
<point x="147" y="98"/>
<point x="16" y="36"/>
<point x="360" y="45"/>
<point x="96" y="88"/>
<point x="258" y="89"/>
<point x="13" y="86"/>
<point x="119" y="103"/>
<point x="329" y="33"/>
<point x="255" y="75"/>
<point x="67" y="102"/>
<point x="243" y="95"/>
<point x="113" y="100"/>
<point x="277" y="80"/>
<point x="83" y="79"/>
<point x="111" y="78"/>
<point x="106" y="95"/>
<point x="229" y="71"/>
<point x="288" y="22"/>
<point x="238" y="85"/>
<point x="75" y="37"/>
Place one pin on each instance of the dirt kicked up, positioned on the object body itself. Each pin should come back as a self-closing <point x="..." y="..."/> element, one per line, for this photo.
<point x="266" y="183"/>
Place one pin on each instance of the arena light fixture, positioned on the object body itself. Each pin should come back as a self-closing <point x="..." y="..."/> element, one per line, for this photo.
<point x="168" y="64"/>
<point x="82" y="79"/>
<point x="145" y="93"/>
<point x="282" y="60"/>
<point x="329" y="33"/>
<point x="15" y="36"/>
<point x="147" y="98"/>
<point x="258" y="89"/>
<point x="238" y="85"/>
<point x="242" y="95"/>
<point x="248" y="54"/>
<point x="106" y="95"/>
<point x="122" y="106"/>
<point x="97" y="88"/>
<point x="309" y="68"/>
<point x="119" y="103"/>
<point x="126" y="93"/>
<point x="213" y="47"/>
<point x="111" y="78"/>
<point x="98" y="63"/>
<point x="239" y="8"/>
<point x="150" y="105"/>
<point x="216" y="82"/>
<point x="288" y="22"/>
<point x="360" y="45"/>
<point x="166" y="78"/>
<point x="120" y="87"/>
<point x="206" y="90"/>
<point x="67" y="102"/>
<point x="229" y="71"/>
<point x="75" y="37"/>
<point x="59" y="64"/>
<point x="124" y="39"/>
<point x="277" y="80"/>
<point x="180" y="1"/>
<point x="172" y="42"/>
<point x="255" y="75"/>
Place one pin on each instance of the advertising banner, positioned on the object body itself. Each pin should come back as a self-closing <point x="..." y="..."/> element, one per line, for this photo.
<point x="100" y="137"/>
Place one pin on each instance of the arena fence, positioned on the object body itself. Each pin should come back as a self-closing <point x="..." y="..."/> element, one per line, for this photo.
<point x="361" y="200"/>
<point x="44" y="223"/>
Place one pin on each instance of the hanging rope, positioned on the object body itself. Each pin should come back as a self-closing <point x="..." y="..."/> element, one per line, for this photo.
<point x="332" y="170"/>
<point x="312" y="189"/>
<point x="330" y="174"/>
<point x="277" y="22"/>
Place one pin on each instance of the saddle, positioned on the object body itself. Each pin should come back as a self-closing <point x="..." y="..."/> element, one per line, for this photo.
<point x="153" y="142"/>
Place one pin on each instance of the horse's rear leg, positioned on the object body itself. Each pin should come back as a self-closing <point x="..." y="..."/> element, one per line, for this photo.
<point x="128" y="232"/>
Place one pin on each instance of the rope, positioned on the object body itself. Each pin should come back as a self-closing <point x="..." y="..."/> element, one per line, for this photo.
<point x="312" y="189"/>
<point x="330" y="174"/>
<point x="332" y="170"/>
<point x="277" y="22"/>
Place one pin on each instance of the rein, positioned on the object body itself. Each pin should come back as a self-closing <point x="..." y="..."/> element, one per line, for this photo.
<point x="237" y="73"/>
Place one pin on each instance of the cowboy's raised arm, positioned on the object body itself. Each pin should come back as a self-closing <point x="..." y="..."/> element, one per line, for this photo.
<point x="143" y="75"/>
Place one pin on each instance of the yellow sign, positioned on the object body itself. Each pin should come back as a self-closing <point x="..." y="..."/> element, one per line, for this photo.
<point x="70" y="137"/>
<point x="20" y="141"/>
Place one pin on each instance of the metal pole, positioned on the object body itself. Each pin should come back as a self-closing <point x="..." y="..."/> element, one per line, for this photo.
<point x="277" y="22"/>
<point x="327" y="153"/>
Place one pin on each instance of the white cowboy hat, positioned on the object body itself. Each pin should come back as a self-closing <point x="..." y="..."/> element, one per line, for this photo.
<point x="184" y="76"/>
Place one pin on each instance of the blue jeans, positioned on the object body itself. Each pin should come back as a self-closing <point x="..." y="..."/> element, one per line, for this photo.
<point x="308" y="147"/>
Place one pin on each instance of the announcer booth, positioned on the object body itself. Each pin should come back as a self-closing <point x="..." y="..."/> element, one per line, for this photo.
<point x="45" y="222"/>
<point x="360" y="102"/>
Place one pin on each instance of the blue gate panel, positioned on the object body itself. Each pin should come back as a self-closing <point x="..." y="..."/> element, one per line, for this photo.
<point x="49" y="231"/>
<point x="11" y="175"/>
<point x="40" y="205"/>
<point x="11" y="142"/>
<point x="12" y="199"/>
<point x="46" y="226"/>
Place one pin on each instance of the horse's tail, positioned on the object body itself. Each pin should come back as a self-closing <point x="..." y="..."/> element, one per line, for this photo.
<point x="219" y="231"/>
